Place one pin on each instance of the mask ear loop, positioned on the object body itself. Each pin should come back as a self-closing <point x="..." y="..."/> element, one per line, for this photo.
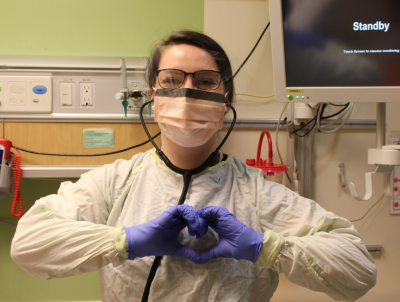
<point x="226" y="97"/>
<point x="187" y="175"/>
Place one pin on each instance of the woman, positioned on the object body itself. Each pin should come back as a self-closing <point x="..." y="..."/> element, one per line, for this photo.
<point x="116" y="216"/>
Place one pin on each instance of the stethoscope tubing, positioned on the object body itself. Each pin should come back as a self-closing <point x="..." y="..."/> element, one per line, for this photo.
<point x="187" y="176"/>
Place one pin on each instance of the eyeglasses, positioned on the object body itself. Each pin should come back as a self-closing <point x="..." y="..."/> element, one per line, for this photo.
<point x="202" y="79"/>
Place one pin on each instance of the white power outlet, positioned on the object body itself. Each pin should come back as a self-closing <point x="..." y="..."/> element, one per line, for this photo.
<point x="395" y="186"/>
<point x="86" y="94"/>
<point x="395" y="177"/>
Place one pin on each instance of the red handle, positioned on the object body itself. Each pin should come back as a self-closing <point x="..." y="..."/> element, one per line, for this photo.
<point x="270" y="154"/>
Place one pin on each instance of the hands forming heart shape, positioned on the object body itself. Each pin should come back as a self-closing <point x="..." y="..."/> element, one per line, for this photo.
<point x="159" y="237"/>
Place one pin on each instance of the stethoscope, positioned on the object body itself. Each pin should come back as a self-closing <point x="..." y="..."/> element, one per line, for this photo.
<point x="187" y="176"/>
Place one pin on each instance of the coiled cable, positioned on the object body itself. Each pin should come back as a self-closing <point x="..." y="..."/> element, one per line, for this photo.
<point x="16" y="167"/>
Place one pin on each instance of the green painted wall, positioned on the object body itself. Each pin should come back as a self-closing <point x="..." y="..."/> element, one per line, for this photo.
<point x="76" y="28"/>
<point x="92" y="27"/>
<point x="15" y="283"/>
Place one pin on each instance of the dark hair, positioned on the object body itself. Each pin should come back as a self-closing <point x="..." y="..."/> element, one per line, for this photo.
<point x="196" y="39"/>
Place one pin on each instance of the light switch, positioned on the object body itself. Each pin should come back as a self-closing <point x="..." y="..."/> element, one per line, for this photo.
<point x="66" y="95"/>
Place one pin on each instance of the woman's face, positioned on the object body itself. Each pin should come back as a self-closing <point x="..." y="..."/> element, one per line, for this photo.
<point x="188" y="58"/>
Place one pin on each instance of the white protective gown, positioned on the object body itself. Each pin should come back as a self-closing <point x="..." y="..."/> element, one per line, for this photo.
<point x="80" y="230"/>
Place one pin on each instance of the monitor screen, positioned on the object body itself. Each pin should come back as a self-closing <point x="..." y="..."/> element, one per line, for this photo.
<point x="348" y="48"/>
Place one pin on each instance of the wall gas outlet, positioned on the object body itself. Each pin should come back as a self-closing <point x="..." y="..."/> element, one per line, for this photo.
<point x="137" y="89"/>
<point x="86" y="94"/>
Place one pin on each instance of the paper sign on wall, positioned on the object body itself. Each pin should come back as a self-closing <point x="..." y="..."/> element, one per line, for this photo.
<point x="98" y="138"/>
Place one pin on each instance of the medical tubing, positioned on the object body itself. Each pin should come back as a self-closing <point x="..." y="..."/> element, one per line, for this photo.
<point x="89" y="155"/>
<point x="157" y="260"/>
<point x="187" y="175"/>
<point x="319" y="115"/>
<point x="344" y="121"/>
<point x="315" y="122"/>
<point x="144" y="125"/>
<point x="305" y="125"/>
<point x="339" y="117"/>
<point x="383" y="195"/>
<point x="347" y="110"/>
<point x="323" y="118"/>
<point x="337" y="113"/>
<point x="277" y="141"/>
<point x="230" y="128"/>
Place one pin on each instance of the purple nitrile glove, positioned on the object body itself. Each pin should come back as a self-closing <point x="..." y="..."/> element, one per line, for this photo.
<point x="236" y="240"/>
<point x="159" y="237"/>
<point x="197" y="226"/>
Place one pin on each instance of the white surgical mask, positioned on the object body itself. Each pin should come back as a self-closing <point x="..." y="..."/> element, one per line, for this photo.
<point x="189" y="117"/>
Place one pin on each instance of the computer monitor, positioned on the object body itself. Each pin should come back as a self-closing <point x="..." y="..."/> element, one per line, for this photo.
<point x="336" y="50"/>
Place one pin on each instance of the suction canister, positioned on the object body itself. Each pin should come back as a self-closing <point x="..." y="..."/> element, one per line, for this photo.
<point x="271" y="171"/>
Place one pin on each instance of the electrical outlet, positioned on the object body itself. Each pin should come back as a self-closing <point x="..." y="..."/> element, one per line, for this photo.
<point x="86" y="94"/>
<point x="395" y="186"/>
<point x="395" y="177"/>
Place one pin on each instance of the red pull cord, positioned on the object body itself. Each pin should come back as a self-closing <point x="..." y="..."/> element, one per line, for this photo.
<point x="17" y="179"/>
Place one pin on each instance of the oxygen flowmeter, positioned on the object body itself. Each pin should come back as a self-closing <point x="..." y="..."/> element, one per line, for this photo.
<point x="131" y="99"/>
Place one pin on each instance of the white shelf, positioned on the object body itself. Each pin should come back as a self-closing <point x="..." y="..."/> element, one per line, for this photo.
<point x="55" y="171"/>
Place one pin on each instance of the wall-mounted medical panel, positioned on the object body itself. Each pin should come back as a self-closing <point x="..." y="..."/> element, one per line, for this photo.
<point x="59" y="89"/>
<point x="26" y="94"/>
<point x="92" y="95"/>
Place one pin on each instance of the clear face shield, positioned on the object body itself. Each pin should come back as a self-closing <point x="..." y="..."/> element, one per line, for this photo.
<point x="189" y="117"/>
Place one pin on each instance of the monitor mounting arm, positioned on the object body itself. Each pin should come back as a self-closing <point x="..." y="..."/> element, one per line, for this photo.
<point x="383" y="157"/>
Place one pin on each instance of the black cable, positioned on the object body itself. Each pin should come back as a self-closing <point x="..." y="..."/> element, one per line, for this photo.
<point x="310" y="121"/>
<point x="335" y="114"/>
<point x="259" y="39"/>
<point x="322" y="108"/>
<point x="307" y="132"/>
<point x="339" y="105"/>
<point x="315" y="119"/>
<point x="88" y="155"/>
<point x="304" y="126"/>
<point x="369" y="209"/>
<point x="5" y="222"/>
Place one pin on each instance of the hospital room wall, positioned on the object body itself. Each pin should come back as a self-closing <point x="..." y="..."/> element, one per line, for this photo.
<point x="237" y="24"/>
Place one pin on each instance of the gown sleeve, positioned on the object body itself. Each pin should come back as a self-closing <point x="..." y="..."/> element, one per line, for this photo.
<point x="66" y="234"/>
<point x="312" y="247"/>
